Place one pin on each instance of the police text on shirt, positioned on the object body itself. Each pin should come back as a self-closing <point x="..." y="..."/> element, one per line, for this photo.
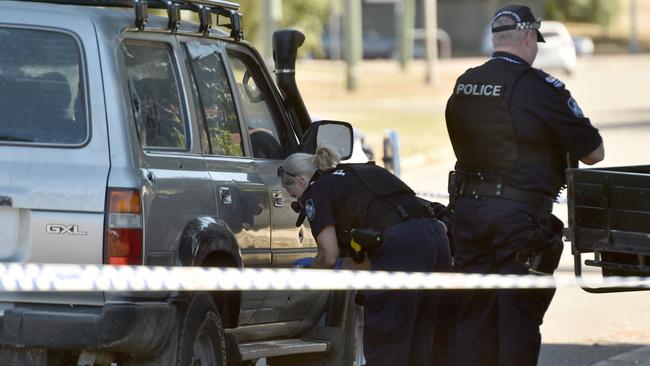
<point x="487" y="90"/>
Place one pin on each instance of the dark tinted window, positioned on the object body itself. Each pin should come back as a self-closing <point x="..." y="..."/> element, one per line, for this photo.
<point x="216" y="99"/>
<point x="257" y="108"/>
<point x="155" y="96"/>
<point x="41" y="87"/>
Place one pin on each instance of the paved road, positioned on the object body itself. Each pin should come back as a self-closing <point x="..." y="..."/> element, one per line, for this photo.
<point x="580" y="328"/>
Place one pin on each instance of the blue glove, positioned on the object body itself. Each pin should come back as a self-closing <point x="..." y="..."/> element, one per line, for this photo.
<point x="339" y="263"/>
<point x="309" y="261"/>
<point x="304" y="262"/>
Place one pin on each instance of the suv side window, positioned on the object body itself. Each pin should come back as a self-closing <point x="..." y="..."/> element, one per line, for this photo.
<point x="257" y="109"/>
<point x="155" y="96"/>
<point x="41" y="88"/>
<point x="217" y="105"/>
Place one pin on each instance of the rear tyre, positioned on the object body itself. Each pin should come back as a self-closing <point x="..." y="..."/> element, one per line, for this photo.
<point x="202" y="340"/>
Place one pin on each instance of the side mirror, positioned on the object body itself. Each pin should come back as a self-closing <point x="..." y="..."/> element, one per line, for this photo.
<point x="335" y="134"/>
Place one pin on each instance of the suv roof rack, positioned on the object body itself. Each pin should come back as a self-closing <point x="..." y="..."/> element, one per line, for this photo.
<point x="204" y="9"/>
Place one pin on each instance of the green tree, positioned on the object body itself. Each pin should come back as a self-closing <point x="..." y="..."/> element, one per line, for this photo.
<point x="601" y="12"/>
<point x="308" y="16"/>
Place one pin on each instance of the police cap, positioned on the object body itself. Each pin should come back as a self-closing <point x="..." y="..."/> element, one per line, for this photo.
<point x="523" y="18"/>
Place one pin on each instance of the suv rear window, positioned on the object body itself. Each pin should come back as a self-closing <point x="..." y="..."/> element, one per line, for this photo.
<point x="155" y="96"/>
<point x="41" y="88"/>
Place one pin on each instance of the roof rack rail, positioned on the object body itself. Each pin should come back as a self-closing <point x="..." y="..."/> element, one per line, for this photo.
<point x="204" y="9"/>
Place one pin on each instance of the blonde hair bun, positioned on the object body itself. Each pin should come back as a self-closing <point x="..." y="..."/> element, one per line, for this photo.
<point x="326" y="157"/>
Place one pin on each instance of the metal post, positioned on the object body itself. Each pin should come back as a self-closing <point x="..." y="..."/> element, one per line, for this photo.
<point x="270" y="17"/>
<point x="391" y="157"/>
<point x="353" y="41"/>
<point x="335" y="30"/>
<point x="431" y="40"/>
<point x="405" y="32"/>
<point x="634" y="41"/>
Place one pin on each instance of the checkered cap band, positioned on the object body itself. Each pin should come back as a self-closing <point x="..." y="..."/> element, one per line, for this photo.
<point x="530" y="25"/>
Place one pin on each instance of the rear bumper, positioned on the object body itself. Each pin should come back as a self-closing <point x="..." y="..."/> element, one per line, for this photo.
<point x="133" y="328"/>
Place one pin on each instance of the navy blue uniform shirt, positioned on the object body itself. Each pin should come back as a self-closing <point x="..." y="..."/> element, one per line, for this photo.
<point x="326" y="193"/>
<point x="321" y="195"/>
<point x="546" y="115"/>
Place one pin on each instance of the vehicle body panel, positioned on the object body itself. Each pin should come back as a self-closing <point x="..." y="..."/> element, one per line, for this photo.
<point x="609" y="218"/>
<point x="197" y="208"/>
<point x="64" y="185"/>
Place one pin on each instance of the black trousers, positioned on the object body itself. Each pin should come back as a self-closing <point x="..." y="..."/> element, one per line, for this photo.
<point x="404" y="327"/>
<point x="496" y="327"/>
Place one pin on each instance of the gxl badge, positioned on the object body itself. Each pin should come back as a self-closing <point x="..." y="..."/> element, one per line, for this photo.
<point x="64" y="229"/>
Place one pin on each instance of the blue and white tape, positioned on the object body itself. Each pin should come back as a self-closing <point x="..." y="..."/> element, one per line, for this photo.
<point x="17" y="277"/>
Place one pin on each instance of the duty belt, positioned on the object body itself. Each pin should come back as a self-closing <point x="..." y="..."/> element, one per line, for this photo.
<point x="371" y="239"/>
<point x="403" y="213"/>
<point x="499" y="190"/>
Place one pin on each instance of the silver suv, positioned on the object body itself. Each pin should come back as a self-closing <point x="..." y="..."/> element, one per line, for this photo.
<point x="133" y="139"/>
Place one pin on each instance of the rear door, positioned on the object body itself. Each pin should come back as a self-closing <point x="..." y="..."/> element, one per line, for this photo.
<point x="54" y="157"/>
<point x="178" y="187"/>
<point x="241" y="194"/>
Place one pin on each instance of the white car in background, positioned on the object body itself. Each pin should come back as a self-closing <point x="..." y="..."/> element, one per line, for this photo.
<point x="557" y="53"/>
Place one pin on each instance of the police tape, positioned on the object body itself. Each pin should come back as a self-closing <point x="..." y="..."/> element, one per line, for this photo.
<point x="18" y="277"/>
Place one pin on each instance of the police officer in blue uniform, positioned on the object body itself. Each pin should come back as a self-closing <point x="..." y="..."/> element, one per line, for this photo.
<point x="363" y="206"/>
<point x="514" y="129"/>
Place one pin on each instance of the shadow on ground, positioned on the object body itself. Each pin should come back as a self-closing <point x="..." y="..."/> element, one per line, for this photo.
<point x="580" y="354"/>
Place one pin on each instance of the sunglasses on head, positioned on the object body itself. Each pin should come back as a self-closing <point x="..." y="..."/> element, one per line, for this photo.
<point x="286" y="177"/>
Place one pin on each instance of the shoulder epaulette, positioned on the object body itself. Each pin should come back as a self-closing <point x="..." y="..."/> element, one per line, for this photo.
<point x="549" y="79"/>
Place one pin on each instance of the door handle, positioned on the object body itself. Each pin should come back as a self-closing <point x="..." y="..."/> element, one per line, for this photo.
<point x="224" y="196"/>
<point x="150" y="176"/>
<point x="278" y="199"/>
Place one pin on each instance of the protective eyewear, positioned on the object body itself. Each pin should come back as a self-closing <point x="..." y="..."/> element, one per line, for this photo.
<point x="286" y="177"/>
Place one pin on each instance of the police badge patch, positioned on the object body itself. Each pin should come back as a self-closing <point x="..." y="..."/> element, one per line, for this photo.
<point x="575" y="108"/>
<point x="554" y="81"/>
<point x="310" y="210"/>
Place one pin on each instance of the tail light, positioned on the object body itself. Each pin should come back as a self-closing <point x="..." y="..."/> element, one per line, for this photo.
<point x="123" y="228"/>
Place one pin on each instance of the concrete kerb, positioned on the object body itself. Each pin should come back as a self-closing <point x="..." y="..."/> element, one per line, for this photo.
<point x="636" y="357"/>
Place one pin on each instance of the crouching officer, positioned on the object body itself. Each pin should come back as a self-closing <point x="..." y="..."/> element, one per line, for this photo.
<point x="394" y="229"/>
<point x="511" y="127"/>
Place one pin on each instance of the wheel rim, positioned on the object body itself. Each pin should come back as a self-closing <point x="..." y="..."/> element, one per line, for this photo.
<point x="204" y="350"/>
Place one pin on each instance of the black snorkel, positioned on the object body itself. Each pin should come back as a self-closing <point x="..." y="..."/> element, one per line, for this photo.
<point x="285" y="51"/>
